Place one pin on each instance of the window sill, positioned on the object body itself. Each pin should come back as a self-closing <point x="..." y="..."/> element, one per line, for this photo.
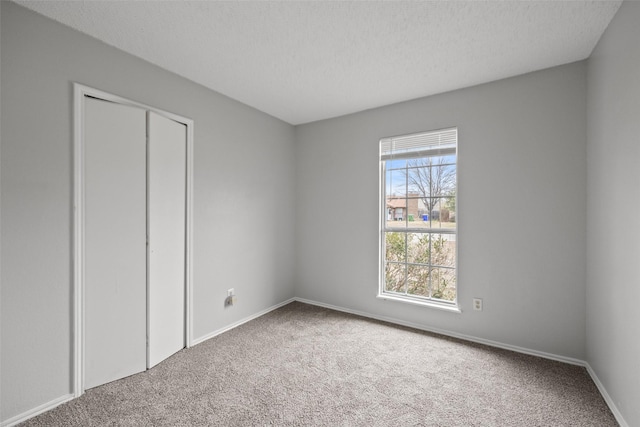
<point x="452" y="308"/>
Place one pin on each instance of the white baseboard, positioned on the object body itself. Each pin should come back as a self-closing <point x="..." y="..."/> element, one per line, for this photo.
<point x="491" y="343"/>
<point x="50" y="405"/>
<point x="616" y="413"/>
<point x="240" y="322"/>
<point x="603" y="391"/>
<point x="37" y="411"/>
<point x="614" y="409"/>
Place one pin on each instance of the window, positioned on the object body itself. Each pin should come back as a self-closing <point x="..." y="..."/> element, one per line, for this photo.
<point x="418" y="218"/>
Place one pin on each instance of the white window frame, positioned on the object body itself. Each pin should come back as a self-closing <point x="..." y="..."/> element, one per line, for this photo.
<point x="415" y="146"/>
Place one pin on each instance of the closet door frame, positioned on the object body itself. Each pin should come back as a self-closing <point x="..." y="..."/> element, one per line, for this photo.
<point x="80" y="93"/>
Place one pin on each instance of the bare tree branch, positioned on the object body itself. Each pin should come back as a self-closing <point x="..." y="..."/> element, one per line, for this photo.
<point x="431" y="179"/>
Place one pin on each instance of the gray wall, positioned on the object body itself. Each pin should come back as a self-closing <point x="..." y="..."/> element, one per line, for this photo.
<point x="613" y="279"/>
<point x="243" y="199"/>
<point x="521" y="209"/>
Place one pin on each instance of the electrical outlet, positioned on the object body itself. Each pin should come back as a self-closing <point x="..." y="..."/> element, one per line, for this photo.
<point x="231" y="298"/>
<point x="477" y="304"/>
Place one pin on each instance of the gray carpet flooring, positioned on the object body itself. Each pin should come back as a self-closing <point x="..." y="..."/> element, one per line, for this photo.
<point x="304" y="365"/>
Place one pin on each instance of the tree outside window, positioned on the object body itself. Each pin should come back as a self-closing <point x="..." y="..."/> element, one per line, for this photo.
<point x="419" y="249"/>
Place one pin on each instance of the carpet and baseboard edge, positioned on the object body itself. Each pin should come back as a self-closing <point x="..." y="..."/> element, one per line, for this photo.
<point x="619" y="418"/>
<point x="603" y="391"/>
<point x="240" y="322"/>
<point x="605" y="395"/>
<point x="17" y="419"/>
<point x="37" y="410"/>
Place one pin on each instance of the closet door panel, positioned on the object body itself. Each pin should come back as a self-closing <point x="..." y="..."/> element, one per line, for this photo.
<point x="167" y="236"/>
<point x="115" y="241"/>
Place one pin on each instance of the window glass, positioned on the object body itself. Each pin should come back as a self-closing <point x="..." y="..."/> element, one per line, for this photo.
<point x="419" y="221"/>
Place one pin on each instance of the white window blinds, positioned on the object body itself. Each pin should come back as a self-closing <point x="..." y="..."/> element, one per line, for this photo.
<point x="435" y="143"/>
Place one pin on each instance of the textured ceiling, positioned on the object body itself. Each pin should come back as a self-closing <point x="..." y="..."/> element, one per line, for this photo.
<point x="307" y="61"/>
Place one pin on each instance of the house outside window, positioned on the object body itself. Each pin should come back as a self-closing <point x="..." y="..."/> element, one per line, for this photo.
<point x="418" y="231"/>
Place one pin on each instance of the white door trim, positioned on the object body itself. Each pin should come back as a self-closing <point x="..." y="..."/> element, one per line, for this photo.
<point x="80" y="92"/>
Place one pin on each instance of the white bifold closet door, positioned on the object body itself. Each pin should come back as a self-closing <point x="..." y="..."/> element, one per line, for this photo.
<point x="167" y="172"/>
<point x="134" y="193"/>
<point x="115" y="241"/>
